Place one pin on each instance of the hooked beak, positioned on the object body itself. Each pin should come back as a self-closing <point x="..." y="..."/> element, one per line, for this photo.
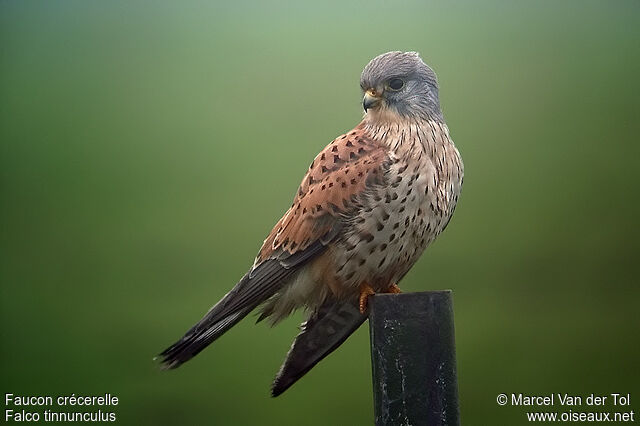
<point x="370" y="100"/>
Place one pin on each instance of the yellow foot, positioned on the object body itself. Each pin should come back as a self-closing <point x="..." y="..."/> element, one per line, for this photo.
<point x="365" y="292"/>
<point x="394" y="289"/>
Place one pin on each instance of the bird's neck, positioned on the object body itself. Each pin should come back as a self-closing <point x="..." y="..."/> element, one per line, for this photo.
<point x="409" y="137"/>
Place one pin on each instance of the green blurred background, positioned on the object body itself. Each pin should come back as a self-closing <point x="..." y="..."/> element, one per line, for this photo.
<point x="148" y="147"/>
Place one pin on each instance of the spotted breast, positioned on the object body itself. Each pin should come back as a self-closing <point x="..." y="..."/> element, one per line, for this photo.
<point x="398" y="218"/>
<point x="380" y="195"/>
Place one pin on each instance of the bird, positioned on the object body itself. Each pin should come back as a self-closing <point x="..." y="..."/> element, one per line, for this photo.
<point x="369" y="204"/>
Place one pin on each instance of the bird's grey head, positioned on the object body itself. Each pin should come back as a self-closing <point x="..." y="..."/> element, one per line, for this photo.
<point x="400" y="85"/>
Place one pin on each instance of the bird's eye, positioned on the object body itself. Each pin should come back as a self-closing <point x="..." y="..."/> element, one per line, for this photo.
<point x="396" y="84"/>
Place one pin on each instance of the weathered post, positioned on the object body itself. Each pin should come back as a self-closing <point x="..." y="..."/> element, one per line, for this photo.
<point x="413" y="358"/>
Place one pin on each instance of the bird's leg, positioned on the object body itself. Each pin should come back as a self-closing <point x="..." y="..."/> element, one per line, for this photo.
<point x="365" y="291"/>
<point x="394" y="289"/>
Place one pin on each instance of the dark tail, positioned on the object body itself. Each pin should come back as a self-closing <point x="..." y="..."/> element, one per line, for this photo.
<point x="321" y="334"/>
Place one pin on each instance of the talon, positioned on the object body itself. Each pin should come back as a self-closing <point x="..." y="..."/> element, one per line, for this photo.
<point x="394" y="289"/>
<point x="365" y="292"/>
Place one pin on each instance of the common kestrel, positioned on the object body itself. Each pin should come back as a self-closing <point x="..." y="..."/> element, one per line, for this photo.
<point x="368" y="206"/>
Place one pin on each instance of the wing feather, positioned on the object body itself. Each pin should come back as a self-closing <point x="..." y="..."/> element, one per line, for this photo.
<point x="344" y="169"/>
<point x="260" y="283"/>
